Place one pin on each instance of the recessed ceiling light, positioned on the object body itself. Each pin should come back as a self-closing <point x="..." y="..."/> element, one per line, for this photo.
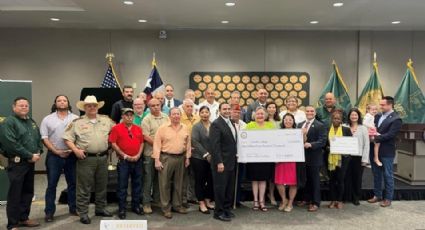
<point x="395" y="22"/>
<point x="142" y="20"/>
<point x="230" y="4"/>
<point x="128" y="3"/>
<point x="338" y="4"/>
<point x="225" y="22"/>
<point x="54" y="19"/>
<point x="314" y="22"/>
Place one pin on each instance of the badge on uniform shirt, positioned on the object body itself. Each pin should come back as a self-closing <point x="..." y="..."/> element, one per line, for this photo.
<point x="17" y="159"/>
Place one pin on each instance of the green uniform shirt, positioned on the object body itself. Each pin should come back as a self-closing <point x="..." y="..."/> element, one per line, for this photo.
<point x="20" y="137"/>
<point x="138" y="119"/>
<point x="88" y="136"/>
<point x="324" y="116"/>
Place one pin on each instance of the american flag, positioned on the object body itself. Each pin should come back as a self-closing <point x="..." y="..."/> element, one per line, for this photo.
<point x="109" y="81"/>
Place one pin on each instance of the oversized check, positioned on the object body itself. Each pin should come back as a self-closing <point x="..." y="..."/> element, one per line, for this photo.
<point x="280" y="145"/>
<point x="345" y="145"/>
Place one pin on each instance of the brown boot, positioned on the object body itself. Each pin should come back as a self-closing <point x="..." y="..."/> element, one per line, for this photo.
<point x="373" y="200"/>
<point x="29" y="223"/>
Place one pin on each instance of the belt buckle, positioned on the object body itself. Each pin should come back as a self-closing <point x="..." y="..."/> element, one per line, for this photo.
<point x="17" y="159"/>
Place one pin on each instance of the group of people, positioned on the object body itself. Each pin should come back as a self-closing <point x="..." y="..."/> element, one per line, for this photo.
<point x="176" y="151"/>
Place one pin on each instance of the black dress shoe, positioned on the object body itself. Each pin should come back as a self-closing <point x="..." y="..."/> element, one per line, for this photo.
<point x="104" y="213"/>
<point x="48" y="218"/>
<point x="121" y="215"/>
<point x="204" y="212"/>
<point x="85" y="219"/>
<point x="73" y="213"/>
<point x="229" y="214"/>
<point x="356" y="202"/>
<point x="222" y="217"/>
<point x="138" y="211"/>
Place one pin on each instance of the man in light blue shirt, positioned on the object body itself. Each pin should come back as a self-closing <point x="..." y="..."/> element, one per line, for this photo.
<point x="59" y="156"/>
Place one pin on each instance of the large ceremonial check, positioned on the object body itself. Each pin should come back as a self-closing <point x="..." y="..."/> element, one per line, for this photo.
<point x="345" y="145"/>
<point x="280" y="145"/>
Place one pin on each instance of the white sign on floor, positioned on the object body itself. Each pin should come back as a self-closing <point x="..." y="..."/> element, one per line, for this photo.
<point x="123" y="224"/>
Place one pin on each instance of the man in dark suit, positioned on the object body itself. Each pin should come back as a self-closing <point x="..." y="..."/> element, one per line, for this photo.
<point x="262" y="95"/>
<point x="315" y="135"/>
<point x="388" y="125"/>
<point x="223" y="137"/>
<point x="170" y="101"/>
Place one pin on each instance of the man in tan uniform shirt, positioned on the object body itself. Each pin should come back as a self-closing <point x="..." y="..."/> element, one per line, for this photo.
<point x="150" y="125"/>
<point x="87" y="137"/>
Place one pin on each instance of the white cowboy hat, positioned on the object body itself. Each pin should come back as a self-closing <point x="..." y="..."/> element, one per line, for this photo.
<point x="90" y="99"/>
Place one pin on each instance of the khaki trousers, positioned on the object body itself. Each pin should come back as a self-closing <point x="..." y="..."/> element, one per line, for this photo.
<point x="171" y="174"/>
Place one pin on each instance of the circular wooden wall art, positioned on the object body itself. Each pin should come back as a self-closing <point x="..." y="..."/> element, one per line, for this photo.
<point x="207" y="78"/>
<point x="274" y="79"/>
<point x="298" y="86"/>
<point x="217" y="79"/>
<point x="283" y="94"/>
<point x="303" y="79"/>
<point x="202" y="86"/>
<point x="197" y="78"/>
<point x="250" y="86"/>
<point x="265" y="79"/>
<point x="284" y="79"/>
<point x="255" y="79"/>
<point x="226" y="94"/>
<point x="269" y="87"/>
<point x="226" y="79"/>
<point x="231" y="86"/>
<point x="288" y="86"/>
<point x="279" y="85"/>
<point x="302" y="94"/>
<point x="246" y="79"/>
<point x="212" y="86"/>
<point x="198" y="93"/>
<point x="240" y="87"/>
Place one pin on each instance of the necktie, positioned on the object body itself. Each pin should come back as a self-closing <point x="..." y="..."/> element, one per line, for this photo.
<point x="169" y="104"/>
<point x="307" y="124"/>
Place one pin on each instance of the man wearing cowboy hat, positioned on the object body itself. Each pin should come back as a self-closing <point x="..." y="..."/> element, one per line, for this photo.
<point x="87" y="137"/>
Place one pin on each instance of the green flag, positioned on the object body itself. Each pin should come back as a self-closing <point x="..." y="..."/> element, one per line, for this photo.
<point x="336" y="86"/>
<point x="372" y="92"/>
<point x="409" y="99"/>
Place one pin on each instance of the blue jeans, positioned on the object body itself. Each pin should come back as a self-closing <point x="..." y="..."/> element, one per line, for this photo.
<point x="54" y="166"/>
<point x="384" y="172"/>
<point x="126" y="170"/>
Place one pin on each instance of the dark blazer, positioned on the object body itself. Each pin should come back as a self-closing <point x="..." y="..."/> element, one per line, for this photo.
<point x="177" y="102"/>
<point x="223" y="145"/>
<point x="389" y="129"/>
<point x="201" y="143"/>
<point x="316" y="136"/>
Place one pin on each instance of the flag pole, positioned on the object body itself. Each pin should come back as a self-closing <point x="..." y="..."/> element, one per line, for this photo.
<point x="410" y="66"/>
<point x="109" y="57"/>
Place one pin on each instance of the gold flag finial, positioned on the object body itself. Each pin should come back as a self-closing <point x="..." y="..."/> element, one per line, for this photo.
<point x="109" y="56"/>
<point x="333" y="62"/>
<point x="374" y="57"/>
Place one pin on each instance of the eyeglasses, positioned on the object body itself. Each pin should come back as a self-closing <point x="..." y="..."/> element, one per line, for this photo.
<point x="130" y="134"/>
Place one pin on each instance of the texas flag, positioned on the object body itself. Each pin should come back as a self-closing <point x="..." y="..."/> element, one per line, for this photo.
<point x="154" y="82"/>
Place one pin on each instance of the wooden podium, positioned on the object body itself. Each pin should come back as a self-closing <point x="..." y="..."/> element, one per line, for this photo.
<point x="411" y="154"/>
